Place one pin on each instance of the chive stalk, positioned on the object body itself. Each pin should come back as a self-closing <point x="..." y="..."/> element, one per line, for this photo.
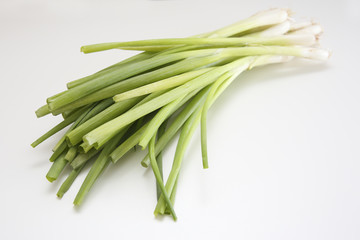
<point x="163" y="44"/>
<point x="158" y="177"/>
<point x="159" y="159"/>
<point x="177" y="124"/>
<point x="56" y="129"/>
<point x="133" y="59"/>
<point x="185" y="136"/>
<point x="136" y="81"/>
<point x="83" y="158"/>
<point x="63" y="148"/>
<point x="98" y="167"/>
<point x="75" y="136"/>
<point x="42" y="111"/>
<point x="69" y="181"/>
<point x="56" y="168"/>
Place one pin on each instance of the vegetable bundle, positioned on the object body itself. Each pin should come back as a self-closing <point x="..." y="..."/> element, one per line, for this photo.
<point x="166" y="89"/>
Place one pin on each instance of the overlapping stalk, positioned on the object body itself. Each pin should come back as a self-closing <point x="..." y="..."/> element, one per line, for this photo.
<point x="168" y="88"/>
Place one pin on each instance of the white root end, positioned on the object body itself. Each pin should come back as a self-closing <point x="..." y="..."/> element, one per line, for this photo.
<point x="316" y="53"/>
<point x="314" y="29"/>
<point x="271" y="16"/>
<point x="299" y="25"/>
<point x="276" y="30"/>
<point x="302" y="39"/>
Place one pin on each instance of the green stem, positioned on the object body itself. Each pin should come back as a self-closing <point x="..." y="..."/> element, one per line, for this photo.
<point x="42" y="111"/>
<point x="172" y="196"/>
<point x="206" y="106"/>
<point x="102" y="134"/>
<point x="56" y="129"/>
<point x="133" y="59"/>
<point x="56" y="168"/>
<point x="120" y="74"/>
<point x="97" y="168"/>
<point x="159" y="118"/>
<point x="177" y="123"/>
<point x="71" y="154"/>
<point x="158" y="177"/>
<point x="160" y="85"/>
<point x="163" y="44"/>
<point x="75" y="136"/>
<point x="68" y="113"/>
<point x="78" y="121"/>
<point x="69" y="181"/>
<point x="159" y="159"/>
<point x="145" y="78"/>
<point x="83" y="158"/>
<point x="63" y="147"/>
<point x="186" y="134"/>
<point x="218" y="87"/>
<point x="127" y="144"/>
<point x="162" y="115"/>
<point x="261" y="19"/>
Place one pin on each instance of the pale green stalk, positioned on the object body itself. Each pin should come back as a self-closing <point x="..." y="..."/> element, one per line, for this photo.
<point x="158" y="177"/>
<point x="135" y="58"/>
<point x="75" y="136"/>
<point x="56" y="168"/>
<point x="191" y="124"/>
<point x="62" y="149"/>
<point x="264" y="18"/>
<point x="69" y="181"/>
<point x="172" y="196"/>
<point x="297" y="51"/>
<point x="109" y="113"/>
<point x="83" y="158"/>
<point x="68" y="113"/>
<point x="57" y="128"/>
<point x="163" y="44"/>
<point x="132" y="140"/>
<point x="229" y="77"/>
<point x="162" y="115"/>
<point x="177" y="123"/>
<point x="216" y="53"/>
<point x="71" y="154"/>
<point x="145" y="78"/>
<point x="147" y="129"/>
<point x="119" y="74"/>
<point x="84" y="148"/>
<point x="102" y="134"/>
<point x="161" y="85"/>
<point x="159" y="159"/>
<point x="218" y="87"/>
<point x="42" y="111"/>
<point x="62" y="141"/>
<point x="212" y="91"/>
<point x="185" y="136"/>
<point x="97" y="168"/>
<point x="92" y="111"/>
<point x="159" y="118"/>
<point x="128" y="144"/>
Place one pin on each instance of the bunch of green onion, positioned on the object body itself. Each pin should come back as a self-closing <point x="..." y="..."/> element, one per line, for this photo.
<point x="167" y="88"/>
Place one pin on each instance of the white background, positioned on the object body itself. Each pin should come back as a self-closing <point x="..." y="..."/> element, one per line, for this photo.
<point x="283" y="140"/>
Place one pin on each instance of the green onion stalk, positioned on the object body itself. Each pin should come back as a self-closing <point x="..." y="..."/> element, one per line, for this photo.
<point x="163" y="92"/>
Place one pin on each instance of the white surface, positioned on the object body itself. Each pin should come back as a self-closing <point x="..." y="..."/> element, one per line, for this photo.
<point x="284" y="141"/>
